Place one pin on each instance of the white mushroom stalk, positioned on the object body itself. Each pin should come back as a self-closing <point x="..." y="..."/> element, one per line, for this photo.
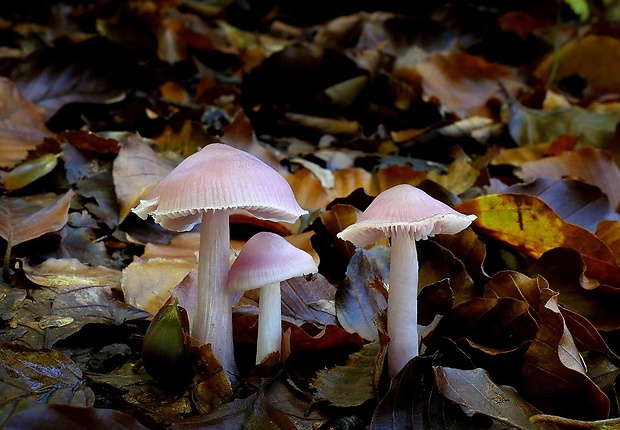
<point x="405" y="214"/>
<point x="266" y="260"/>
<point x="207" y="187"/>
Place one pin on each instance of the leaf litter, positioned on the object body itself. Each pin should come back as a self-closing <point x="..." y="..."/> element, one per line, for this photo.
<point x="469" y="103"/>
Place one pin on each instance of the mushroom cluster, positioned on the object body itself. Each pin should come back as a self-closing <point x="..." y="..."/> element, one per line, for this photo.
<point x="405" y="214"/>
<point x="207" y="187"/>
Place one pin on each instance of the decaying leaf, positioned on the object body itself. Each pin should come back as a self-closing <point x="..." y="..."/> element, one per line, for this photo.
<point x="353" y="383"/>
<point x="23" y="219"/>
<point x="591" y="165"/>
<point x="361" y="300"/>
<point x="29" y="378"/>
<point x="554" y="373"/>
<point x="591" y="58"/>
<point x="70" y="271"/>
<point x="52" y="314"/>
<point x="21" y="125"/>
<point x="146" y="283"/>
<point x="529" y="225"/>
<point x="413" y="402"/>
<point x="136" y="169"/>
<point x="476" y="393"/>
<point x="69" y="416"/>
<point x="593" y="127"/>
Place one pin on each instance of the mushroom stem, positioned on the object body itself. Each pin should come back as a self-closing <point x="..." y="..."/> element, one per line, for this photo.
<point x="213" y="318"/>
<point x="269" y="321"/>
<point x="402" y="311"/>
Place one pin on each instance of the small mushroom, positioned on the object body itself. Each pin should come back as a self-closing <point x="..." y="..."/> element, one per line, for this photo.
<point x="266" y="260"/>
<point x="207" y="187"/>
<point x="405" y="214"/>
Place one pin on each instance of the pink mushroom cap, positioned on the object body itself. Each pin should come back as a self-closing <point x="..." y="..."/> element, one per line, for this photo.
<point x="408" y="209"/>
<point x="219" y="177"/>
<point x="266" y="259"/>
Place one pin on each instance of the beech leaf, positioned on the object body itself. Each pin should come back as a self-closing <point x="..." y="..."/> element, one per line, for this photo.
<point x="21" y="125"/>
<point x="526" y="223"/>
<point x="136" y="170"/>
<point x="554" y="374"/>
<point x="353" y="383"/>
<point x="30" y="377"/>
<point x="476" y="393"/>
<point x="360" y="300"/>
<point x="25" y="219"/>
<point x="69" y="416"/>
<point x="574" y="201"/>
<point x="591" y="165"/>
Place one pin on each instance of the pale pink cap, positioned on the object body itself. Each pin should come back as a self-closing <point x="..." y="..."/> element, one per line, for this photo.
<point x="219" y="177"/>
<point x="266" y="259"/>
<point x="404" y="209"/>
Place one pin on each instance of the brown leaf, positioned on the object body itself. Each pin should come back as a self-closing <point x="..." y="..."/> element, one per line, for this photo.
<point x="52" y="314"/>
<point x="437" y="263"/>
<point x="591" y="165"/>
<point x="564" y="269"/>
<point x="554" y="374"/>
<point x="609" y="233"/>
<point x="360" y="301"/>
<point x="91" y="142"/>
<point x="70" y="416"/>
<point x="594" y="126"/>
<point x="475" y="392"/>
<point x="590" y="57"/>
<point x="353" y="383"/>
<point x="146" y="284"/>
<point x="462" y="83"/>
<point x="136" y="169"/>
<point x="70" y="271"/>
<point x="413" y="402"/>
<point x="21" y="125"/>
<point x="467" y="247"/>
<point x="529" y="225"/>
<point x="31" y="377"/>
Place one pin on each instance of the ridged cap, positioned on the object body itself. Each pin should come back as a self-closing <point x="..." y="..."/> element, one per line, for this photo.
<point x="219" y="177"/>
<point x="408" y="209"/>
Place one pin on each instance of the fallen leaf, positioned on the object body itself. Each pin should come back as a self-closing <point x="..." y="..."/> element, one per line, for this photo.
<point x="591" y="165"/>
<point x="53" y="314"/>
<point x="91" y="143"/>
<point x="609" y="233"/>
<point x="529" y="225"/>
<point x="136" y="169"/>
<point x="574" y="201"/>
<point x="591" y="58"/>
<point x="24" y="219"/>
<point x="70" y="416"/>
<point x="30" y="378"/>
<point x="21" y="125"/>
<point x="70" y="271"/>
<point x="476" y="393"/>
<point x="554" y="374"/>
<point x="28" y="172"/>
<point x="594" y="126"/>
<point x="462" y="83"/>
<point x="413" y="402"/>
<point x="92" y="71"/>
<point x="564" y="269"/>
<point x="361" y="300"/>
<point x="146" y="284"/>
<point x="353" y="383"/>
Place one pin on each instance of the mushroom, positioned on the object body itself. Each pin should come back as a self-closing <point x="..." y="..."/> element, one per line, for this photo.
<point x="206" y="188"/>
<point x="405" y="214"/>
<point x="266" y="260"/>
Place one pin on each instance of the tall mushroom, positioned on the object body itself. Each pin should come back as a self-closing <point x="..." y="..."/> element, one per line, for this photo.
<point x="266" y="260"/>
<point x="405" y="214"/>
<point x="207" y="187"/>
